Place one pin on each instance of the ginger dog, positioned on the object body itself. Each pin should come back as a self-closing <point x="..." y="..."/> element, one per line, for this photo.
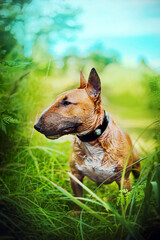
<point x="100" y="147"/>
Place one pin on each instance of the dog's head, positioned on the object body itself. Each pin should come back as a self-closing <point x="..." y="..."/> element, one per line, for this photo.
<point x="74" y="111"/>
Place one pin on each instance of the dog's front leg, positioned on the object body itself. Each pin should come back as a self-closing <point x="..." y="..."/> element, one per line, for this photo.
<point x="77" y="189"/>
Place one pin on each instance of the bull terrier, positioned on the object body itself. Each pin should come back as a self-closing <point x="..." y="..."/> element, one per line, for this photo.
<point x="100" y="147"/>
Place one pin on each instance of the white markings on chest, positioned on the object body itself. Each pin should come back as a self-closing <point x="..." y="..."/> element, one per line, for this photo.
<point x="93" y="166"/>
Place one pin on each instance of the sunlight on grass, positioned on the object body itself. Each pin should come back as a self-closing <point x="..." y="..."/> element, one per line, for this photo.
<point x="35" y="185"/>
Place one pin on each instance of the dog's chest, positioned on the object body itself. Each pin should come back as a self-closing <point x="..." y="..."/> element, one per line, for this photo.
<point x="94" y="165"/>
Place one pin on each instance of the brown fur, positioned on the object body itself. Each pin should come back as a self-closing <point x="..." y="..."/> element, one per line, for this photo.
<point x="78" y="112"/>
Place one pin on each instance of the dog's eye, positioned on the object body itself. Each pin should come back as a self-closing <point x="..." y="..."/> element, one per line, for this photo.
<point x="66" y="103"/>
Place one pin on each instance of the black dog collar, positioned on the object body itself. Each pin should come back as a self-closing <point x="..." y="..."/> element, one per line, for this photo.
<point x="97" y="132"/>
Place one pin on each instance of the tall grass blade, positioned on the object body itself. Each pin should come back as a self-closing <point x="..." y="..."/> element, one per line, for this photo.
<point x="107" y="206"/>
<point x="82" y="205"/>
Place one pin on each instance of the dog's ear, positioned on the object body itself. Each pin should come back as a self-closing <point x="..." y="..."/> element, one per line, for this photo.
<point x="94" y="85"/>
<point x="83" y="82"/>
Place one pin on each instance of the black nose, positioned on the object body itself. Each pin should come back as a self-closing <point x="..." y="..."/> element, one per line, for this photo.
<point x="38" y="127"/>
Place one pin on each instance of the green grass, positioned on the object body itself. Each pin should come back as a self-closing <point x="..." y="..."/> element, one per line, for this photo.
<point x="36" y="198"/>
<point x="37" y="201"/>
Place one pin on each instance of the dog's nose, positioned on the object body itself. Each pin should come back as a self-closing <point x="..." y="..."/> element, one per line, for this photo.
<point x="38" y="127"/>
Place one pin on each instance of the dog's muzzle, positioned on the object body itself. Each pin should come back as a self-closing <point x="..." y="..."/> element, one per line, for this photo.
<point x="54" y="126"/>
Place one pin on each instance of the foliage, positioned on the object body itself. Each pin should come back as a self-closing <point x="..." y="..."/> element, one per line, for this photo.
<point x="35" y="195"/>
<point x="35" y="27"/>
<point x="153" y="89"/>
<point x="10" y="14"/>
<point x="152" y="85"/>
<point x="100" y="61"/>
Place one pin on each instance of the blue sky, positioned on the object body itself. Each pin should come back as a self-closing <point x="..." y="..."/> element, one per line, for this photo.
<point x="132" y="27"/>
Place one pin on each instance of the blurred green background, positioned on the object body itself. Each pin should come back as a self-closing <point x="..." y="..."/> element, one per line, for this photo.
<point x="44" y="44"/>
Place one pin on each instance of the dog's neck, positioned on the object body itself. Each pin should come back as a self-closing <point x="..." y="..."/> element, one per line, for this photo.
<point x="97" y="132"/>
